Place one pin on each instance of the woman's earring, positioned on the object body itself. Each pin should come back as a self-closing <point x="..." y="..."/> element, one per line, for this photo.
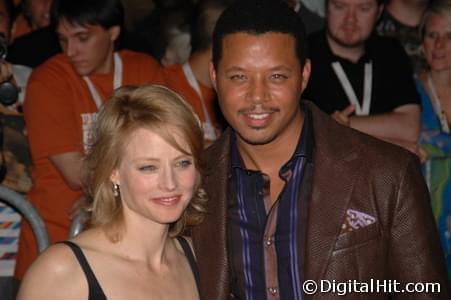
<point x="115" y="189"/>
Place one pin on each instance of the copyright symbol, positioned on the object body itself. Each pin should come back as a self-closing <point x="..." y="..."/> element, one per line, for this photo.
<point x="310" y="287"/>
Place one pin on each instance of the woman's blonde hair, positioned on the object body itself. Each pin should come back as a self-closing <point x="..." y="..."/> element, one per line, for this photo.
<point x="437" y="7"/>
<point x="152" y="107"/>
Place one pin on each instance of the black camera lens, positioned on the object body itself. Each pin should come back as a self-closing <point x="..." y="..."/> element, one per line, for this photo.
<point x="8" y="93"/>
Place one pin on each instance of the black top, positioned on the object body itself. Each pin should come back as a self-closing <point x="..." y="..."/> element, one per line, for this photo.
<point x="95" y="290"/>
<point x="34" y="48"/>
<point x="393" y="82"/>
<point x="192" y="261"/>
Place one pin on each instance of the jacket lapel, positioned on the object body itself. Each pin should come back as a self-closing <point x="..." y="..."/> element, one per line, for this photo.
<point x="210" y="238"/>
<point x="335" y="169"/>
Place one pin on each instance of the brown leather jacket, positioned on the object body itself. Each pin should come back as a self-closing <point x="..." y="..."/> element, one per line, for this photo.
<point x="350" y="171"/>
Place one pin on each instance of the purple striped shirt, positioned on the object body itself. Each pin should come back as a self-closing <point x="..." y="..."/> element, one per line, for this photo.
<point x="264" y="242"/>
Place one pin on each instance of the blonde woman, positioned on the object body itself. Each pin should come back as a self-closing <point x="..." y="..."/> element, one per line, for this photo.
<point x="142" y="175"/>
<point x="434" y="86"/>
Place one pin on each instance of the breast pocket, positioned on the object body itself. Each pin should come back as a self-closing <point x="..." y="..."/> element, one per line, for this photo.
<point x="358" y="237"/>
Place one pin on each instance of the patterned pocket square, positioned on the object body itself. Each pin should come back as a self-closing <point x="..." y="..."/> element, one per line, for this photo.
<point x="355" y="220"/>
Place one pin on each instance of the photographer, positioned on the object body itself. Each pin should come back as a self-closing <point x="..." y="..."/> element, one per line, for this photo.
<point x="13" y="78"/>
<point x="15" y="158"/>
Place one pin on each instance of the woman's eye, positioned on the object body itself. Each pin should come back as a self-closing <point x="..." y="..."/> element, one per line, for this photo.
<point x="184" y="163"/>
<point x="148" y="168"/>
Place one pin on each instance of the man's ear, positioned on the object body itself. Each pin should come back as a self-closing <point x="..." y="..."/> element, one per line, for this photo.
<point x="114" y="31"/>
<point x="212" y="72"/>
<point x="306" y="71"/>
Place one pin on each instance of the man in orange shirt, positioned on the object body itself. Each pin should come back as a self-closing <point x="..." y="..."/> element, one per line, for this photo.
<point x="63" y="97"/>
<point x="191" y="79"/>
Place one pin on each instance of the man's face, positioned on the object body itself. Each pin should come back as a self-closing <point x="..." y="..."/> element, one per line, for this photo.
<point x="350" y="22"/>
<point x="89" y="48"/>
<point x="40" y="13"/>
<point x="4" y="20"/>
<point x="259" y="81"/>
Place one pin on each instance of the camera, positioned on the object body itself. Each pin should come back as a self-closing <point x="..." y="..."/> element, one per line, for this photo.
<point x="8" y="91"/>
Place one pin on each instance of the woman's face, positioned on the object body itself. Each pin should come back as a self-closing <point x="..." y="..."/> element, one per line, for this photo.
<point x="437" y="43"/>
<point x="156" y="180"/>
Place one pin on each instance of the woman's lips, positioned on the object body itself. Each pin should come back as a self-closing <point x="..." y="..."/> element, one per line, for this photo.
<point x="167" y="201"/>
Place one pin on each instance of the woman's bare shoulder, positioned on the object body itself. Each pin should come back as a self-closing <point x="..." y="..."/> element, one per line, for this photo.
<point x="53" y="275"/>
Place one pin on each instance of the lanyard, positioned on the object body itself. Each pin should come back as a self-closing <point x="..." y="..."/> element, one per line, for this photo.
<point x="438" y="106"/>
<point x="117" y="82"/>
<point x="363" y="110"/>
<point x="209" y="130"/>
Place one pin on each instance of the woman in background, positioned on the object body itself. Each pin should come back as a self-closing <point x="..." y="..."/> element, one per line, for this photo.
<point x="434" y="85"/>
<point x="142" y="177"/>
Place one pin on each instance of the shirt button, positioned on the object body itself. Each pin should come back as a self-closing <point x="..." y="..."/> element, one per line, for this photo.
<point x="269" y="241"/>
<point x="273" y="290"/>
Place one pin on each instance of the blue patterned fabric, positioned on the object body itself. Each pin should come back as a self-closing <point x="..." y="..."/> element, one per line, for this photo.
<point x="437" y="170"/>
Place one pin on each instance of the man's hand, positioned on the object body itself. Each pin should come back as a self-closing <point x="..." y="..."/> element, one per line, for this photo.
<point x="343" y="116"/>
<point x="415" y="148"/>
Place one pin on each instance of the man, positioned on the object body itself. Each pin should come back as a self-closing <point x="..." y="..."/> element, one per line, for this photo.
<point x="192" y="79"/>
<point x="294" y="196"/>
<point x="34" y="40"/>
<point x="63" y="97"/>
<point x="363" y="80"/>
<point x="16" y="74"/>
<point x="401" y="19"/>
<point x="35" y="15"/>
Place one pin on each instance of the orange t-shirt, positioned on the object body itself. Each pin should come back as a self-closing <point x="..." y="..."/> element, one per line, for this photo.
<point x="58" y="109"/>
<point x="176" y="80"/>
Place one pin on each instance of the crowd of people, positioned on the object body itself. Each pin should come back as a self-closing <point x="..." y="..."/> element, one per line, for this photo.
<point x="226" y="149"/>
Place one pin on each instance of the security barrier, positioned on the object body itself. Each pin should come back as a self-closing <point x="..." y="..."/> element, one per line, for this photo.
<point x="77" y="224"/>
<point x="26" y="209"/>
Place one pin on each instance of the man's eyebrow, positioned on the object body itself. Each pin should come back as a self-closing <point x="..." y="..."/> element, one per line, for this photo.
<point x="281" y="67"/>
<point x="275" y="68"/>
<point x="234" y="68"/>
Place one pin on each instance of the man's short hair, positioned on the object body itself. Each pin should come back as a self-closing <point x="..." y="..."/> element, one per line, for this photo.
<point x="260" y="17"/>
<point x="106" y="13"/>
<point x="379" y="2"/>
